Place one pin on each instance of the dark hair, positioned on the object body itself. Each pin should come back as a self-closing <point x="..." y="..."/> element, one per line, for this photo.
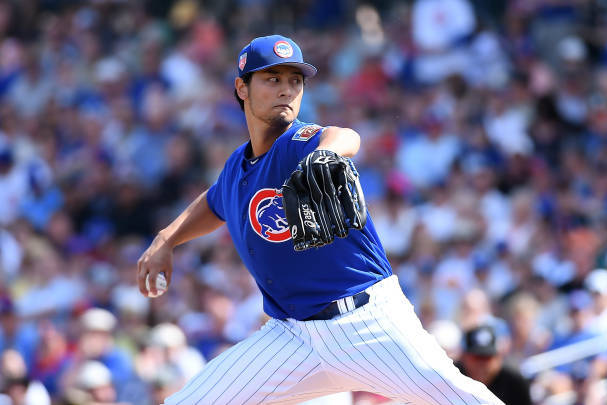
<point x="246" y="78"/>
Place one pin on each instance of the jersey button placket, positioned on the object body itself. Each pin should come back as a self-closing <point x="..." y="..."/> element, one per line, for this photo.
<point x="243" y="183"/>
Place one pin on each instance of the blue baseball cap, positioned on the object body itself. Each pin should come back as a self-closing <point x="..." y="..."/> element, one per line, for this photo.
<point x="481" y="341"/>
<point x="263" y="52"/>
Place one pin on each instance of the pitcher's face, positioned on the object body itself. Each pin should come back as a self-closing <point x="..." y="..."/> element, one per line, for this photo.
<point x="274" y="95"/>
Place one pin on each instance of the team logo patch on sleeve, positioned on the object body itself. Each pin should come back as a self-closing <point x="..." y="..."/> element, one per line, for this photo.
<point x="305" y="133"/>
<point x="267" y="215"/>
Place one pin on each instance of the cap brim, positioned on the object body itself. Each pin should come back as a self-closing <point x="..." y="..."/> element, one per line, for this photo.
<point x="482" y="351"/>
<point x="597" y="289"/>
<point x="306" y="69"/>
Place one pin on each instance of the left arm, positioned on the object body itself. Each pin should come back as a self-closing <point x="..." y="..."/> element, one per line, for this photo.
<point x="343" y="141"/>
<point x="322" y="197"/>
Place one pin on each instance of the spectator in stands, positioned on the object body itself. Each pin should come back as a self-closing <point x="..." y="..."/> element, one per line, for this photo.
<point x="15" y="383"/>
<point x="596" y="283"/>
<point x="96" y="343"/>
<point x="17" y="335"/>
<point x="167" y="349"/>
<point x="481" y="360"/>
<point x="91" y="386"/>
<point x="53" y="358"/>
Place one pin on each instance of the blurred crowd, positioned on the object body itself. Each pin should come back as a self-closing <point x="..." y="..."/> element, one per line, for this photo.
<point x="484" y="140"/>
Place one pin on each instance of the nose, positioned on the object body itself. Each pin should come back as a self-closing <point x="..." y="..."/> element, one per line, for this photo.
<point x="286" y="90"/>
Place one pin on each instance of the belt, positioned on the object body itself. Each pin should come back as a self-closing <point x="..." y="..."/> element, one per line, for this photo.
<point x="341" y="306"/>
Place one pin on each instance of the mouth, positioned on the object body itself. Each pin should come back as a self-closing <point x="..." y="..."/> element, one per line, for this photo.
<point x="283" y="106"/>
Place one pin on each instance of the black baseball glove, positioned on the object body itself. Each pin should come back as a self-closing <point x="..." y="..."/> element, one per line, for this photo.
<point x="323" y="199"/>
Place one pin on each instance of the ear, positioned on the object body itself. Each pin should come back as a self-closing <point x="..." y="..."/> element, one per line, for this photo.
<point x="241" y="88"/>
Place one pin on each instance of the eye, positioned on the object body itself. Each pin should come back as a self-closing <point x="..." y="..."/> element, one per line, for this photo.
<point x="297" y="80"/>
<point x="273" y="79"/>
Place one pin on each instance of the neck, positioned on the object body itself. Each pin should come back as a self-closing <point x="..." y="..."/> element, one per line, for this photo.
<point x="263" y="135"/>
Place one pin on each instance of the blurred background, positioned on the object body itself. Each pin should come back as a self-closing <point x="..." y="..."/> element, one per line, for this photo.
<point x="483" y="158"/>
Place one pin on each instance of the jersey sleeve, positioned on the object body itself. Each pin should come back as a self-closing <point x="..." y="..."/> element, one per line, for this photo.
<point x="215" y="198"/>
<point x="306" y="139"/>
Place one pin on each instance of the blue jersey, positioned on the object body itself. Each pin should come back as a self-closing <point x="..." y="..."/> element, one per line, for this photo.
<point x="296" y="285"/>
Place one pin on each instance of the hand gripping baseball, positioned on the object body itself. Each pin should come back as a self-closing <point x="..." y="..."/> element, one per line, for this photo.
<point x="322" y="199"/>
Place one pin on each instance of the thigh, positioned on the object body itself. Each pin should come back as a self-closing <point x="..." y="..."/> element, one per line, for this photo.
<point x="383" y="348"/>
<point x="260" y="369"/>
<point x="356" y="346"/>
<point x="314" y="389"/>
<point x="429" y="374"/>
<point x="341" y="398"/>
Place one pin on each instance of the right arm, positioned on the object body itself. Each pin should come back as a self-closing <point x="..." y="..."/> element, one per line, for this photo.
<point x="196" y="220"/>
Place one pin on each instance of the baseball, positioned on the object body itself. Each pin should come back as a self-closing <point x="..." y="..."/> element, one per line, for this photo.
<point x="161" y="285"/>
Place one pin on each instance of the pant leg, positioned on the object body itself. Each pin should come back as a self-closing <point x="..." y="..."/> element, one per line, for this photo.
<point x="385" y="346"/>
<point x="341" y="398"/>
<point x="274" y="365"/>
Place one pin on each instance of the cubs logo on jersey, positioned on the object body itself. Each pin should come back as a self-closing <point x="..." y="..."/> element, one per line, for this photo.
<point x="283" y="49"/>
<point x="305" y="133"/>
<point x="267" y="215"/>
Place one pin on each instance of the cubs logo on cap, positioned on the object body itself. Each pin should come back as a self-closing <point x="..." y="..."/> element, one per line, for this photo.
<point x="264" y="52"/>
<point x="267" y="215"/>
<point x="283" y="49"/>
<point x="242" y="61"/>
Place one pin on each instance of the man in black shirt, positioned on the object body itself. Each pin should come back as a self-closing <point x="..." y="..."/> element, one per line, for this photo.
<point x="481" y="361"/>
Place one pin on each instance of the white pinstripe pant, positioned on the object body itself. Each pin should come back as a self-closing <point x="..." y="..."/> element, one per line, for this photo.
<point x="380" y="347"/>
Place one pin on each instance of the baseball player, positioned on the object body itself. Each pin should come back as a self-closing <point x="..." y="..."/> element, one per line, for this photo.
<point x="339" y="320"/>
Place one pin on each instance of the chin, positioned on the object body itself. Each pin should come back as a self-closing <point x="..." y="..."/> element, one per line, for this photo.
<point x="282" y="121"/>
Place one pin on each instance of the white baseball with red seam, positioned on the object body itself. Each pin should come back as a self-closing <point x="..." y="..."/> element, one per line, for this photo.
<point x="161" y="285"/>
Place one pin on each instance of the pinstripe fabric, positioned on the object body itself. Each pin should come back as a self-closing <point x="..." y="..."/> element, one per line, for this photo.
<point x="342" y="367"/>
<point x="287" y="362"/>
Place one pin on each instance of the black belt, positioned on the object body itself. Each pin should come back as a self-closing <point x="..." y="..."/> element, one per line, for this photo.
<point x="341" y="306"/>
